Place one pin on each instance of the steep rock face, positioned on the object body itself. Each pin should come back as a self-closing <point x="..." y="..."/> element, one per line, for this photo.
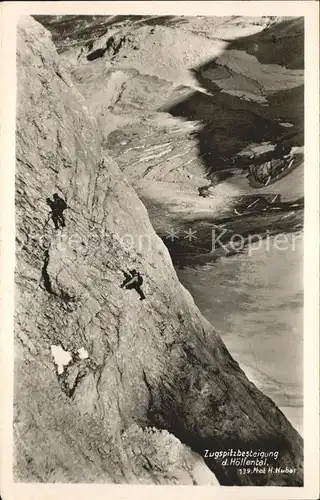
<point x="69" y="420"/>
<point x="156" y="362"/>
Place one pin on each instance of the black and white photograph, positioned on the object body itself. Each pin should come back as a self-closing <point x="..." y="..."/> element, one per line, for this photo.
<point x="159" y="249"/>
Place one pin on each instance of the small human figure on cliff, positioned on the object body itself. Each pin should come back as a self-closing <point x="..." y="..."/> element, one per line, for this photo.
<point x="133" y="280"/>
<point x="57" y="205"/>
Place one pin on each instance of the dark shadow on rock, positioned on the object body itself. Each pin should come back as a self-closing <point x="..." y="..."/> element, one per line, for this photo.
<point x="230" y="123"/>
<point x="96" y="54"/>
<point x="281" y="44"/>
<point x="207" y="419"/>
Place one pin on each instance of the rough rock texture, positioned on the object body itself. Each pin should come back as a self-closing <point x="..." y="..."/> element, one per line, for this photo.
<point x="154" y="363"/>
<point x="174" y="125"/>
<point x="172" y="119"/>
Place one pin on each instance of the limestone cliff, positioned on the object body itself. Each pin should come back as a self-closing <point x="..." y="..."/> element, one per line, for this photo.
<point x="109" y="388"/>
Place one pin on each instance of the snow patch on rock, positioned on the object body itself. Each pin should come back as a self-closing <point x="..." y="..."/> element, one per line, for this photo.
<point x="61" y="357"/>
<point x="83" y="353"/>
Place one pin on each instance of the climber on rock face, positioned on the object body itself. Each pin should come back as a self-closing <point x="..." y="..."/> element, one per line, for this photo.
<point x="133" y="280"/>
<point x="57" y="205"/>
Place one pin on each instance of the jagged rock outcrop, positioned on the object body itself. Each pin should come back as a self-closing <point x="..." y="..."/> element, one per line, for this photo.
<point x="125" y="365"/>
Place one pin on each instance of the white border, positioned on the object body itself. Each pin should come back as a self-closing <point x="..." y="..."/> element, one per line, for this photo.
<point x="10" y="12"/>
